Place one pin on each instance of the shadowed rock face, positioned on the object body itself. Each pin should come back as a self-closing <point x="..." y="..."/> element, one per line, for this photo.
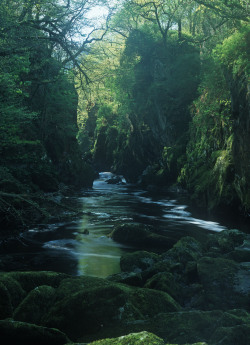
<point x="240" y="97"/>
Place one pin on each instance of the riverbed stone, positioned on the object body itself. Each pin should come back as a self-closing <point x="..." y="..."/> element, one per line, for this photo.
<point x="240" y="253"/>
<point x="141" y="338"/>
<point x="225" y="241"/>
<point x="165" y="281"/>
<point x="193" y="326"/>
<point x="128" y="278"/>
<point x="141" y="236"/>
<point x="30" y="280"/>
<point x="138" y="261"/>
<point x="14" y="290"/>
<point x="239" y="334"/>
<point x="16" y="333"/>
<point x="185" y="250"/>
<point x="35" y="305"/>
<point x="226" y="283"/>
<point x="5" y="303"/>
<point x="91" y="310"/>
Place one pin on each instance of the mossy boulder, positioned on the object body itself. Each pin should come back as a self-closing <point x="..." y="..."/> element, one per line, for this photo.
<point x="142" y="338"/>
<point x="165" y="281"/>
<point x="239" y="334"/>
<point x="72" y="285"/>
<point x="5" y="303"/>
<point x="241" y="253"/>
<point x="187" y="327"/>
<point x="128" y="278"/>
<point x="91" y="310"/>
<point x="226" y="284"/>
<point x="141" y="236"/>
<point x="35" y="305"/>
<point x="138" y="261"/>
<point x="12" y="291"/>
<point x="30" y="280"/>
<point x="16" y="333"/>
<point x="185" y="250"/>
<point x="226" y="240"/>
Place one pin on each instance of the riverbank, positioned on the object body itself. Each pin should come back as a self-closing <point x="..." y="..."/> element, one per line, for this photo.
<point x="193" y="292"/>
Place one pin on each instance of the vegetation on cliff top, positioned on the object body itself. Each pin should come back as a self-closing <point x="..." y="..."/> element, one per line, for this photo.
<point x="158" y="91"/>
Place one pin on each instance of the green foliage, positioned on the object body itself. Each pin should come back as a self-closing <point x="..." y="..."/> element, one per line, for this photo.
<point x="105" y="117"/>
<point x="235" y="50"/>
<point x="209" y="171"/>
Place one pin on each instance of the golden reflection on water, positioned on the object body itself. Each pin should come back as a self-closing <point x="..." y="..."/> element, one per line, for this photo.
<point x="98" y="265"/>
<point x="98" y="255"/>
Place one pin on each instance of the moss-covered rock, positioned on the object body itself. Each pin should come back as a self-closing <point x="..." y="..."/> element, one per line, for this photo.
<point x="16" y="333"/>
<point x="141" y="236"/>
<point x="165" y="281"/>
<point x="193" y="326"/>
<point x="138" y="261"/>
<point x="239" y="334"/>
<point x="90" y="310"/>
<point x="226" y="240"/>
<point x="186" y="249"/>
<point x="35" y="305"/>
<point x="142" y="338"/>
<point x="30" y="280"/>
<point x="72" y="285"/>
<point x="226" y="283"/>
<point x="128" y="278"/>
<point x="5" y="303"/>
<point x="12" y="288"/>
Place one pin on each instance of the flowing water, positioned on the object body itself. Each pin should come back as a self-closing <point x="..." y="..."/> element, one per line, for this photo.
<point x="83" y="247"/>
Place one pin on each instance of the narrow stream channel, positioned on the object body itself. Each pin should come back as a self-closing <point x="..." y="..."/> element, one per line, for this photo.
<point x="83" y="247"/>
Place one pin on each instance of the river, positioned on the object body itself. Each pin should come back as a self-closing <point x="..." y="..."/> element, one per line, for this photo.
<point x="82" y="246"/>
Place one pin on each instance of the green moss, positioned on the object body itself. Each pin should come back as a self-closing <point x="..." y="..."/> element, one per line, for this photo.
<point x="35" y="305"/>
<point x="13" y="289"/>
<point x="224" y="283"/>
<point x="138" y="261"/>
<point x="5" y="302"/>
<point x="15" y="333"/>
<point x="91" y="309"/>
<point x="30" y="280"/>
<point x="164" y="281"/>
<point x="239" y="334"/>
<point x="142" y="338"/>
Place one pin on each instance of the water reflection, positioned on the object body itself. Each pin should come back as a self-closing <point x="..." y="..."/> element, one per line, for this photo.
<point x="82" y="247"/>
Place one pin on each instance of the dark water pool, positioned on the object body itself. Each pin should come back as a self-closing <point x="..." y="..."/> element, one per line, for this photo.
<point x="83" y="247"/>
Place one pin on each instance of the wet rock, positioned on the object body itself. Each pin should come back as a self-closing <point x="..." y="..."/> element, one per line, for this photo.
<point x="30" y="280"/>
<point x="12" y="288"/>
<point x="142" y="338"/>
<point x="188" y="327"/>
<point x="72" y="285"/>
<point x="138" y="261"/>
<point x="141" y="236"/>
<point x="16" y="333"/>
<point x="114" y="180"/>
<point x="226" y="240"/>
<point x="239" y="334"/>
<point x="91" y="310"/>
<point x="165" y="281"/>
<point x="185" y="250"/>
<point x="5" y="303"/>
<point x="35" y="305"/>
<point x="241" y="253"/>
<point x="128" y="278"/>
<point x="224" y="282"/>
